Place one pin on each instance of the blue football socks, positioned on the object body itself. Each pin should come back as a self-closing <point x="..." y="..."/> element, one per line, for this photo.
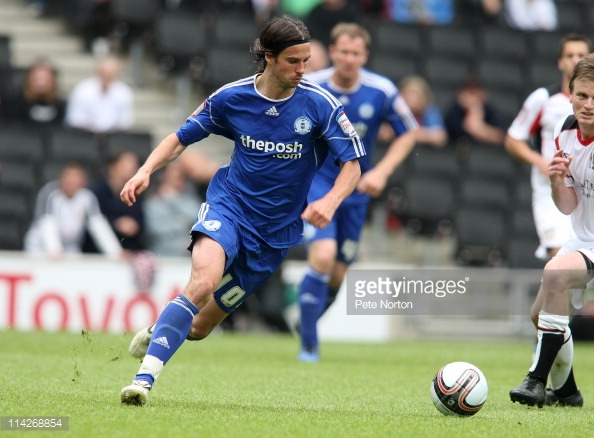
<point x="313" y="294"/>
<point x="170" y="331"/>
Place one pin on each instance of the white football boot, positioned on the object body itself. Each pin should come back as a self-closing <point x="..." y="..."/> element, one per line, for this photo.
<point x="135" y="394"/>
<point x="140" y="342"/>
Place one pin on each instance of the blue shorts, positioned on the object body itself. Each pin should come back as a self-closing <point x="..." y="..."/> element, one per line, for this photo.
<point x="345" y="227"/>
<point x="250" y="260"/>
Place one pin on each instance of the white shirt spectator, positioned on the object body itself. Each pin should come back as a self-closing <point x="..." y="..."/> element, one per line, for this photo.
<point x="102" y="103"/>
<point x="64" y="210"/>
<point x="531" y="15"/>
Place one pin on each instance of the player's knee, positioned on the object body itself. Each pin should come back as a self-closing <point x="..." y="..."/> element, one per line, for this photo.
<point x="554" y="280"/>
<point x="199" y="290"/>
<point x="322" y="262"/>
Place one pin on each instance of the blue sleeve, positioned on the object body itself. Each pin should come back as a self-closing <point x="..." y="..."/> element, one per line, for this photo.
<point x="400" y="116"/>
<point x="207" y="119"/>
<point x="342" y="138"/>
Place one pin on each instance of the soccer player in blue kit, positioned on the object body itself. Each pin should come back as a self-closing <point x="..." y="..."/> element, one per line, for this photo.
<point x="284" y="127"/>
<point x="369" y="100"/>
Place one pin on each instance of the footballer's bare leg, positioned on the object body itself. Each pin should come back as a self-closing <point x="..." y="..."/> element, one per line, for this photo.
<point x="204" y="323"/>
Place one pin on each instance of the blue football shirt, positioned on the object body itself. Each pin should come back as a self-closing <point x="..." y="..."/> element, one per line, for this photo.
<point x="279" y="146"/>
<point x="373" y="101"/>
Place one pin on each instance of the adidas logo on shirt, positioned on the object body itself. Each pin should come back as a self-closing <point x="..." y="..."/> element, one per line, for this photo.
<point x="272" y="112"/>
<point x="162" y="341"/>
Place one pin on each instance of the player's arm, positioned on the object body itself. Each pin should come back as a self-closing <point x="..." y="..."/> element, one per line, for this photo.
<point x="522" y="151"/>
<point x="523" y="126"/>
<point x="564" y="197"/>
<point x="168" y="150"/>
<point x="319" y="213"/>
<point x="374" y="181"/>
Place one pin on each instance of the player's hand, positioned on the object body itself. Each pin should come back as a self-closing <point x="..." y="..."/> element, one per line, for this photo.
<point x="372" y="183"/>
<point x="559" y="165"/>
<point x="319" y="213"/>
<point x="134" y="187"/>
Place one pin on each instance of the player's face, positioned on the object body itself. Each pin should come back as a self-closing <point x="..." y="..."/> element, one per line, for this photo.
<point x="582" y="100"/>
<point x="71" y="181"/>
<point x="289" y="66"/>
<point x="573" y="52"/>
<point x="348" y="56"/>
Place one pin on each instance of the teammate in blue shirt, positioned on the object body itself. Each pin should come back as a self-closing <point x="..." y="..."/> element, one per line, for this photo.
<point x="284" y="127"/>
<point x="369" y="100"/>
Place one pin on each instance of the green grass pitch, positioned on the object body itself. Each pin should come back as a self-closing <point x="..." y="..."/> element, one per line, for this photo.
<point x="239" y="385"/>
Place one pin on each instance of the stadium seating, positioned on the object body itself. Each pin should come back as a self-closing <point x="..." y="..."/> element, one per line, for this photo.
<point x="11" y="79"/>
<point x="67" y="144"/>
<point x="474" y="191"/>
<point x="480" y="235"/>
<point x="394" y="66"/>
<point x="498" y="42"/>
<point x="488" y="161"/>
<point x="544" y="46"/>
<point x="543" y="73"/>
<point x="570" y="15"/>
<point x="427" y="204"/>
<point x="12" y="232"/>
<point x="457" y="41"/>
<point x="224" y="65"/>
<point x="21" y="143"/>
<point x="141" y="143"/>
<point x="501" y="75"/>
<point x="233" y="30"/>
<point x="433" y="162"/>
<point x="135" y="22"/>
<point x="5" y="52"/>
<point x="445" y="71"/>
<point x="180" y="40"/>
<point x="397" y="39"/>
<point x="19" y="176"/>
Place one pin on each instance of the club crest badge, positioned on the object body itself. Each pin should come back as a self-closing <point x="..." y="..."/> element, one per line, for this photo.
<point x="211" y="225"/>
<point x="302" y="125"/>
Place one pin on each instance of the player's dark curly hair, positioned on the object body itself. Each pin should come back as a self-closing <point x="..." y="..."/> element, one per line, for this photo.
<point x="278" y="34"/>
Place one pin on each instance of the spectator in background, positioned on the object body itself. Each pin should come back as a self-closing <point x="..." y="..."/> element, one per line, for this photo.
<point x="64" y="210"/>
<point x="479" y="12"/>
<point x="102" y="103"/>
<point x="319" y="57"/>
<point x="472" y="116"/>
<point x="92" y="20"/>
<point x="531" y="15"/>
<point x="171" y="210"/>
<point x="323" y="17"/>
<point x="418" y="95"/>
<point x="264" y="10"/>
<point x="39" y="99"/>
<point x="127" y="222"/>
<point x="428" y="12"/>
<point x="298" y="8"/>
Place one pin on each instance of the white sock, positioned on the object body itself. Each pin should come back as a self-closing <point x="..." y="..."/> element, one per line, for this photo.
<point x="151" y="365"/>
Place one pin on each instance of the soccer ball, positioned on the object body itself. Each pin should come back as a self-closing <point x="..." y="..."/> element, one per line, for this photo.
<point x="459" y="388"/>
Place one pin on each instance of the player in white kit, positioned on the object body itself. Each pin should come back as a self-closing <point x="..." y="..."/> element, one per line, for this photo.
<point x="571" y="175"/>
<point x="530" y="139"/>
